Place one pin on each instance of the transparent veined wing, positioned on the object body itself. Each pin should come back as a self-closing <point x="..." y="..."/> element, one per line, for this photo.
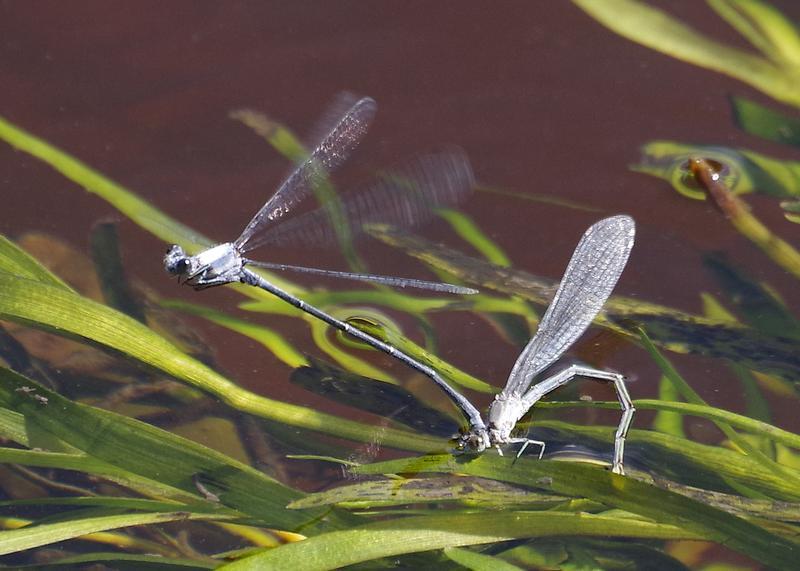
<point x="331" y="151"/>
<point x="405" y="197"/>
<point x="591" y="275"/>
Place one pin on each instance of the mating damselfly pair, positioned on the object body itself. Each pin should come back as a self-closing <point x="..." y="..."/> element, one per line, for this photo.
<point x="408" y="197"/>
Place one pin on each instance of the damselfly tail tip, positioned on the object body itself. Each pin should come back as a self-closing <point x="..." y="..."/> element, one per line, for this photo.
<point x="465" y="290"/>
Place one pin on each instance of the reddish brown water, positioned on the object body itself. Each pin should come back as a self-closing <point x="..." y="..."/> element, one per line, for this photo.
<point x="543" y="99"/>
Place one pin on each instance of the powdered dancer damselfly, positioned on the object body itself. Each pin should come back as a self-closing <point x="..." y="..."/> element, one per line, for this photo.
<point x="591" y="275"/>
<point x="407" y="197"/>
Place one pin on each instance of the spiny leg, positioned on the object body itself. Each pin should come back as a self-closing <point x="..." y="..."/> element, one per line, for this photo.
<point x="560" y="379"/>
<point x="525" y="443"/>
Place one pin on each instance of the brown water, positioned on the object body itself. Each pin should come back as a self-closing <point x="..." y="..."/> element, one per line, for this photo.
<point x="543" y="99"/>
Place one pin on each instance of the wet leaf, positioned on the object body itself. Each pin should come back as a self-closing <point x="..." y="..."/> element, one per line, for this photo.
<point x="613" y="490"/>
<point x="758" y="305"/>
<point x="68" y="314"/>
<point x="425" y="533"/>
<point x="17" y="540"/>
<point x="774" y="72"/>
<point x="758" y="120"/>
<point x="743" y="171"/>
<point x="463" y="489"/>
<point x="141" y="449"/>
<point x="478" y="561"/>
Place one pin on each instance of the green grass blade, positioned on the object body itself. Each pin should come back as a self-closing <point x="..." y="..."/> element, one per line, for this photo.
<point x="478" y="561"/>
<point x="90" y="465"/>
<point x="700" y="465"/>
<point x="765" y="27"/>
<point x="17" y="261"/>
<point x="690" y="395"/>
<point x="390" y="334"/>
<point x="68" y="314"/>
<point x="657" y="30"/>
<point x="666" y="421"/>
<point x="761" y="121"/>
<point x="273" y="341"/>
<point x="123" y="562"/>
<point x="470" y="232"/>
<point x="17" y="540"/>
<point x="614" y="491"/>
<point x="418" y="534"/>
<point x="150" y="452"/>
<point x="405" y="491"/>
<point x="711" y="413"/>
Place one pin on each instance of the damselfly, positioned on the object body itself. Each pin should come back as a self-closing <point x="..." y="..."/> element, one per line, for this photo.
<point x="406" y="197"/>
<point x="591" y="275"/>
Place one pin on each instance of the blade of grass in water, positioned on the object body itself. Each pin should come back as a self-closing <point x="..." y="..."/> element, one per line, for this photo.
<point x="119" y="541"/>
<point x="758" y="120"/>
<point x="67" y="314"/>
<point x="759" y="306"/>
<point x="390" y="335"/>
<point x="15" y="260"/>
<point x="141" y="449"/>
<point x="24" y="538"/>
<point x="666" y="421"/>
<point x="657" y="30"/>
<point x="700" y="410"/>
<point x="698" y="465"/>
<point x="273" y="341"/>
<point x="466" y="228"/>
<point x="689" y="394"/>
<point x="424" y="533"/>
<point x="764" y="27"/>
<point x="613" y="490"/>
<point x="478" y="561"/>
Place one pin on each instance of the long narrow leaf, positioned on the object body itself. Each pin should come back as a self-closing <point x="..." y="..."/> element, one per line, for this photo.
<point x="68" y="314"/>
<point x="46" y="534"/>
<point x="417" y="534"/>
<point x="655" y="29"/>
<point x="613" y="490"/>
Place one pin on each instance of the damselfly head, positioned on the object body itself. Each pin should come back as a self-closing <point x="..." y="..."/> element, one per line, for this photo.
<point x="473" y="440"/>
<point x="176" y="262"/>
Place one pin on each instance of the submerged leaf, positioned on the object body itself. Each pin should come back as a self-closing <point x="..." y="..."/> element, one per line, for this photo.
<point x="17" y="540"/>
<point x="615" y="491"/>
<point x="464" y="489"/>
<point x="68" y="314"/>
<point x="424" y="533"/>
<point x="759" y="306"/>
<point x="763" y="122"/>
<point x="384" y="399"/>
<point x="143" y="450"/>
<point x="479" y="561"/>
